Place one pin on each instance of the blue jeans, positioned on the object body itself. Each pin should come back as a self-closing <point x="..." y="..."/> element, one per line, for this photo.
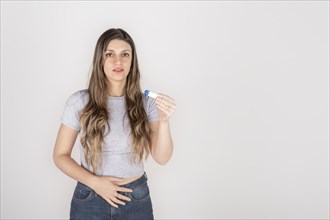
<point x="86" y="204"/>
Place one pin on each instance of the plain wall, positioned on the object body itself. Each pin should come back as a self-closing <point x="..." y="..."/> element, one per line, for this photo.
<point x="251" y="83"/>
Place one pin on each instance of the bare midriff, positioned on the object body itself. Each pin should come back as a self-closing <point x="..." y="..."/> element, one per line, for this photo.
<point x="128" y="180"/>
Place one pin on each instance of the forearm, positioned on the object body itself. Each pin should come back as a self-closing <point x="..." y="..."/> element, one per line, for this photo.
<point x="71" y="168"/>
<point x="164" y="146"/>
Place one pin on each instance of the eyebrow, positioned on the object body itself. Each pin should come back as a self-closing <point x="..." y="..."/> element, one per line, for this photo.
<point x="121" y="51"/>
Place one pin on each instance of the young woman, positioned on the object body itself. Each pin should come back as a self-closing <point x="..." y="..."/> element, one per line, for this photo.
<point x="118" y="128"/>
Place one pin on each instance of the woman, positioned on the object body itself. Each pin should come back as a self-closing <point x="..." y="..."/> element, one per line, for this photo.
<point x="118" y="129"/>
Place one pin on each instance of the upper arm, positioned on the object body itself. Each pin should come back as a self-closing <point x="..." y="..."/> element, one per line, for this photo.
<point x="65" y="140"/>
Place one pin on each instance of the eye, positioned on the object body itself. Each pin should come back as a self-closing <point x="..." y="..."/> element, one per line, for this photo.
<point x="108" y="55"/>
<point x="126" y="54"/>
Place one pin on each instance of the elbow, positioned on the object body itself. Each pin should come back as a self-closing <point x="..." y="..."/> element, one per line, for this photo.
<point x="55" y="159"/>
<point x="161" y="158"/>
<point x="162" y="162"/>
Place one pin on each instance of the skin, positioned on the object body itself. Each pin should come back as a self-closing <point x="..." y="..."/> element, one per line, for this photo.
<point x="117" y="54"/>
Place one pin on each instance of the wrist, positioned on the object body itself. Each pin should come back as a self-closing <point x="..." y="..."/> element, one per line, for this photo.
<point x="92" y="181"/>
<point x="164" y="122"/>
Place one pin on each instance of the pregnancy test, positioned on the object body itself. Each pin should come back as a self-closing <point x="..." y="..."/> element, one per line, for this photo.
<point x="151" y="94"/>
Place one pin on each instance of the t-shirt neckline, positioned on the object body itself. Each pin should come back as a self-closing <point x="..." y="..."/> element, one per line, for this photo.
<point x="116" y="97"/>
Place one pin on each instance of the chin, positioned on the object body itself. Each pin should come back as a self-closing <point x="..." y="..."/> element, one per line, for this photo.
<point x="118" y="79"/>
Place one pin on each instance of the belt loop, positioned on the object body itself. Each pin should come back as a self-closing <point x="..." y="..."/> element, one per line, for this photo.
<point x="145" y="175"/>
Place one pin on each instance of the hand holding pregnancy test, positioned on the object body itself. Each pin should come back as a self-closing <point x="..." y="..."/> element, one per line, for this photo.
<point x="165" y="104"/>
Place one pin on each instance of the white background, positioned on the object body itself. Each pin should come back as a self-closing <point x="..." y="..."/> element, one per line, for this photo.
<point x="251" y="82"/>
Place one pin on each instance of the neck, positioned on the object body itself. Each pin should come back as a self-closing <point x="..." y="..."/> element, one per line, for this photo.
<point x="116" y="89"/>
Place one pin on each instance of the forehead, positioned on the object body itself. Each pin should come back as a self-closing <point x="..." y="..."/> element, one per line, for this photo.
<point x="118" y="45"/>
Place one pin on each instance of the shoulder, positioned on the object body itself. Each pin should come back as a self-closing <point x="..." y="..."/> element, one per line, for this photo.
<point x="78" y="97"/>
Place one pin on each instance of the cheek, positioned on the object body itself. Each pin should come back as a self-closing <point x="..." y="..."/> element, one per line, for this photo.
<point x="107" y="64"/>
<point x="128" y="62"/>
<point x="128" y="65"/>
<point x="107" y="69"/>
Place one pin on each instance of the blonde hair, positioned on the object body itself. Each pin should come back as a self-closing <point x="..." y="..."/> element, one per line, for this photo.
<point x="94" y="117"/>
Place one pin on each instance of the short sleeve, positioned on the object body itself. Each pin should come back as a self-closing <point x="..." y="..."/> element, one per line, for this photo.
<point x="152" y="111"/>
<point x="70" y="115"/>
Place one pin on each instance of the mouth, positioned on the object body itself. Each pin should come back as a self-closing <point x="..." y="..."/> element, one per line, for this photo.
<point x="118" y="70"/>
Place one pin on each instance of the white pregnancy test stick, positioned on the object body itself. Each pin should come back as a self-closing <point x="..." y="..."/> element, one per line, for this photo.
<point x="151" y="94"/>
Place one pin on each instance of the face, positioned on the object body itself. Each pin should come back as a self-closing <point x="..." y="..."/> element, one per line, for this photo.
<point x="117" y="62"/>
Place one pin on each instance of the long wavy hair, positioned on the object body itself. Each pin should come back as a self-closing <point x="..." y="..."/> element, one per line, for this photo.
<point x="94" y="117"/>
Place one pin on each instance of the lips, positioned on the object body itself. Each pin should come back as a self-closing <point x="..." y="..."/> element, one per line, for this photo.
<point x="118" y="69"/>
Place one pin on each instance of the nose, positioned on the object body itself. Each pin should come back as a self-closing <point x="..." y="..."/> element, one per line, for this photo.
<point x="117" y="60"/>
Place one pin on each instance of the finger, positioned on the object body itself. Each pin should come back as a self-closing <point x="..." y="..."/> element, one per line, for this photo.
<point x="123" y="189"/>
<point x="162" y="104"/>
<point x="110" y="202"/>
<point x="164" y="109"/>
<point x="165" y="99"/>
<point x="114" y="199"/>
<point x="165" y="102"/>
<point x="168" y="108"/>
<point x="120" y="196"/>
